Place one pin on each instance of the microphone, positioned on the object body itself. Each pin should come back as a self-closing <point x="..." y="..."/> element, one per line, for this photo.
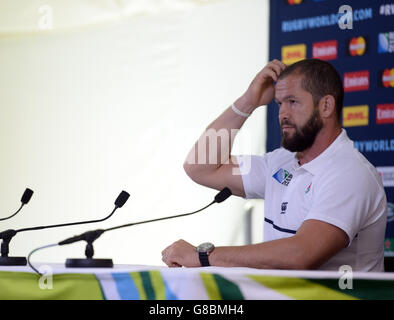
<point x="7" y="235"/>
<point x="223" y="195"/>
<point x="91" y="236"/>
<point x="25" y="200"/>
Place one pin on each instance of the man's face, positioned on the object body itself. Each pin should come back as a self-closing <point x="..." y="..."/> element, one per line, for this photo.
<point x="299" y="118"/>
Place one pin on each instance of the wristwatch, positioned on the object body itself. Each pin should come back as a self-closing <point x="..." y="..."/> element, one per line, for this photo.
<point x="203" y="250"/>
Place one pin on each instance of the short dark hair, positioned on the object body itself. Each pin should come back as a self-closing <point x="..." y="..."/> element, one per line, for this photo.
<point x="320" y="78"/>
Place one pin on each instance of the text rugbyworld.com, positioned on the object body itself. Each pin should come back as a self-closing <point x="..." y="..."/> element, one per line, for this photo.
<point x="374" y="145"/>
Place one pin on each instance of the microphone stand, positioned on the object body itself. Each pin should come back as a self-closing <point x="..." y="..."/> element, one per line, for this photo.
<point x="89" y="262"/>
<point x="7" y="235"/>
<point x="5" y="260"/>
<point x="91" y="236"/>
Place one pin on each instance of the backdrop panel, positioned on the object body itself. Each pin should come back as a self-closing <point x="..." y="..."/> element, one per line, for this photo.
<point x="363" y="54"/>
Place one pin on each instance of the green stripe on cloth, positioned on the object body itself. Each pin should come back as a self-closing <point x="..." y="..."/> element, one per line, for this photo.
<point x="300" y="289"/>
<point x="228" y="289"/>
<point x="150" y="285"/>
<point x="70" y="286"/>
<point x="363" y="288"/>
<point x="219" y="287"/>
<point x="147" y="284"/>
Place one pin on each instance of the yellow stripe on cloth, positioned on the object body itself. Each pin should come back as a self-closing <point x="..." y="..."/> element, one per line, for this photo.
<point x="158" y="284"/>
<point x="300" y="289"/>
<point x="138" y="282"/>
<point x="211" y="286"/>
<point x="68" y="286"/>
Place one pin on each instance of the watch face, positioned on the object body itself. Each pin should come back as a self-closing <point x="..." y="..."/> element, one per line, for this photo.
<point x="205" y="247"/>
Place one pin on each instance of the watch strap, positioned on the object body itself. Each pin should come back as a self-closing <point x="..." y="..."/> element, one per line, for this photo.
<point x="203" y="256"/>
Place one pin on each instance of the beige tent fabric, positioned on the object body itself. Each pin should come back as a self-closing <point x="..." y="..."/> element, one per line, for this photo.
<point x="18" y="17"/>
<point x="111" y="98"/>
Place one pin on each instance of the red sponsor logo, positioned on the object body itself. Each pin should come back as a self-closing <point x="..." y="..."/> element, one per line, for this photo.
<point x="326" y="50"/>
<point x="356" y="116"/>
<point x="385" y="113"/>
<point x="388" y="78"/>
<point x="294" y="55"/>
<point x="357" y="46"/>
<point x="293" y="2"/>
<point x="356" y="81"/>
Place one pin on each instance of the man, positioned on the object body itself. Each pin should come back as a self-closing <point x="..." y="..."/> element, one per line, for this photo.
<point x="325" y="204"/>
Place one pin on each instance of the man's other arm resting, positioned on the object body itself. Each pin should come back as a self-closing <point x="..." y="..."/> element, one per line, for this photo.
<point x="314" y="243"/>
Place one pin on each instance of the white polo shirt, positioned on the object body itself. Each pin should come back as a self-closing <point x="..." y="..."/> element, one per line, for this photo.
<point x="339" y="187"/>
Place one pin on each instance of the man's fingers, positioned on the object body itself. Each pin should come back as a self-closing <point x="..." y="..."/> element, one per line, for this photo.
<point x="273" y="69"/>
<point x="166" y="258"/>
<point x="174" y="265"/>
<point x="279" y="63"/>
<point x="276" y="68"/>
<point x="270" y="72"/>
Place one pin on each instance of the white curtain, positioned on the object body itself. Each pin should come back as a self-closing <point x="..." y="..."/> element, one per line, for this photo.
<point x="101" y="96"/>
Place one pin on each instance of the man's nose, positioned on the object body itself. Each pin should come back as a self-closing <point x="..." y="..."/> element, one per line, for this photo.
<point x="284" y="111"/>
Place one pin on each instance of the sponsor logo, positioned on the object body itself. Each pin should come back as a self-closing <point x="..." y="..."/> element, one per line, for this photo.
<point x="357" y="46"/>
<point x="283" y="207"/>
<point x="387" y="78"/>
<point x="355" y="116"/>
<point x="283" y="176"/>
<point x="387" y="174"/>
<point x="293" y="2"/>
<point x="385" y="113"/>
<point x="356" y="81"/>
<point x="293" y="53"/>
<point x="326" y="50"/>
<point x="374" y="145"/>
<point x="308" y="188"/>
<point x="386" y="42"/>
<point x="386" y="9"/>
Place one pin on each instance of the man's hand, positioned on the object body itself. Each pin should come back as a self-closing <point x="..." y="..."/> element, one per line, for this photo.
<point x="261" y="91"/>
<point x="181" y="253"/>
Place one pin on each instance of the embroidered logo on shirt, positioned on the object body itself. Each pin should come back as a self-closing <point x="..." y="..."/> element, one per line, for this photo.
<point x="283" y="207"/>
<point x="283" y="176"/>
<point x="309" y="188"/>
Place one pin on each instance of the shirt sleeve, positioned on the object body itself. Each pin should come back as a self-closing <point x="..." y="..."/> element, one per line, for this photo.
<point x="253" y="170"/>
<point x="349" y="202"/>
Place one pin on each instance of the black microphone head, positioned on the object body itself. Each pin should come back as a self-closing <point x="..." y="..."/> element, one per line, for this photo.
<point x="121" y="199"/>
<point x="223" y="195"/>
<point x="27" y="196"/>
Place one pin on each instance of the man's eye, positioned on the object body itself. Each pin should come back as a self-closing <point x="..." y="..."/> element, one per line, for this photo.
<point x="292" y="101"/>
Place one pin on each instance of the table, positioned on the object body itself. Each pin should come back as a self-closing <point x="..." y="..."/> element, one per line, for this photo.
<point x="138" y="282"/>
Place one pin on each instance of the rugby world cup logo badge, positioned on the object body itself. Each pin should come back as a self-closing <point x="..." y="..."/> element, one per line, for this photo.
<point x="283" y="176"/>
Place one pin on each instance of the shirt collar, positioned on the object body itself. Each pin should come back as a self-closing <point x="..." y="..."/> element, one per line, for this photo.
<point x="320" y="162"/>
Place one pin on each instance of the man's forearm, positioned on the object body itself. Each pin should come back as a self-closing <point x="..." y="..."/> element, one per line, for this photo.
<point x="285" y="253"/>
<point x="213" y="148"/>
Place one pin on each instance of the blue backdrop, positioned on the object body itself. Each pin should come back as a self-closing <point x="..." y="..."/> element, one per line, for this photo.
<point x="363" y="53"/>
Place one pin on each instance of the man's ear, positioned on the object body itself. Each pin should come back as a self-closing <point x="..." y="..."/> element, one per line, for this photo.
<point x="327" y="106"/>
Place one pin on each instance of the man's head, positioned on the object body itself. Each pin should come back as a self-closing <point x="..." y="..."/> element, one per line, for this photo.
<point x="310" y="96"/>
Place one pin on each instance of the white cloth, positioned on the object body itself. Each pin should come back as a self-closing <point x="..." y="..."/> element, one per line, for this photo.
<point x="339" y="187"/>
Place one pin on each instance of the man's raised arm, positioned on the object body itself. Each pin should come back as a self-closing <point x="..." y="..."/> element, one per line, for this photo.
<point x="209" y="162"/>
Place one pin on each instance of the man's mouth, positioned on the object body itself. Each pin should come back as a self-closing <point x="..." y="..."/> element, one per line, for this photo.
<point x="287" y="127"/>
